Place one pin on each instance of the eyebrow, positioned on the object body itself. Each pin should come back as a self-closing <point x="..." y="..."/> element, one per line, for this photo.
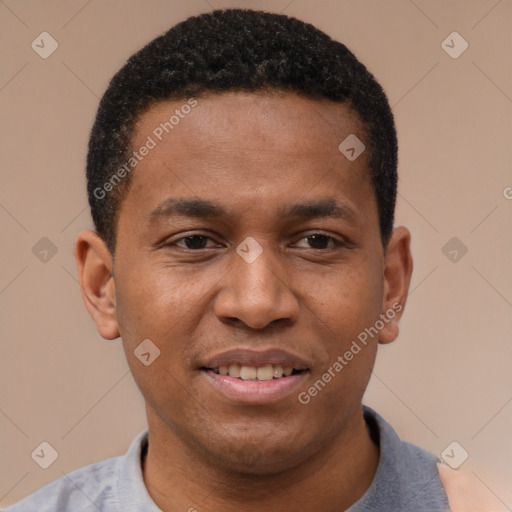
<point x="321" y="208"/>
<point x="202" y="208"/>
<point x="198" y="208"/>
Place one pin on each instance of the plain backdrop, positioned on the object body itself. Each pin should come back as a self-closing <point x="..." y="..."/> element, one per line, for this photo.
<point x="449" y="375"/>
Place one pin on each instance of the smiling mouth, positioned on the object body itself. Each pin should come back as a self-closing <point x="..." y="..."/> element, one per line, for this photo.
<point x="261" y="373"/>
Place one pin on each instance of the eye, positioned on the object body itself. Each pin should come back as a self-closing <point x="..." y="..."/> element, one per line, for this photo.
<point x="321" y="241"/>
<point x="193" y="242"/>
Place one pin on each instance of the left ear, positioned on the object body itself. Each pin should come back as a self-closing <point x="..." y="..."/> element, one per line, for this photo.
<point x="397" y="278"/>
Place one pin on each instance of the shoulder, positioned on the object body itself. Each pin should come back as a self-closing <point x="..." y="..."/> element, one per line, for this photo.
<point x="466" y="492"/>
<point x="84" y="490"/>
<point x="406" y="478"/>
<point x="110" y="485"/>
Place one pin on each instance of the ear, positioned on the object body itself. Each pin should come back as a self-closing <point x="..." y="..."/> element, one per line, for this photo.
<point x="397" y="278"/>
<point x="94" y="263"/>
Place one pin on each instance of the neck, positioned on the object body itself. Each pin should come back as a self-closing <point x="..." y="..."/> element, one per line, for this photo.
<point x="179" y="479"/>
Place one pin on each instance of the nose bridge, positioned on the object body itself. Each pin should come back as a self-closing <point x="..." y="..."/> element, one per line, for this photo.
<point x="255" y="274"/>
<point x="256" y="290"/>
<point x="259" y="276"/>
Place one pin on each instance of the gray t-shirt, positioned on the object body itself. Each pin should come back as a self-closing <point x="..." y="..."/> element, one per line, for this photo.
<point x="406" y="481"/>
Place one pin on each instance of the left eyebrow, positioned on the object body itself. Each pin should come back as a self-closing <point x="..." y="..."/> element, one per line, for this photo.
<point x="322" y="208"/>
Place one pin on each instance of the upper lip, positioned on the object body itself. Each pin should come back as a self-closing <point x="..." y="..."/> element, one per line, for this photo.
<point x="256" y="358"/>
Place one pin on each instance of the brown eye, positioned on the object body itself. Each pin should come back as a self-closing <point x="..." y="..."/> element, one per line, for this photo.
<point x="320" y="241"/>
<point x="193" y="242"/>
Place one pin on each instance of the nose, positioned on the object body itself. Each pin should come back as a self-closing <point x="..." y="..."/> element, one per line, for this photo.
<point x="256" y="294"/>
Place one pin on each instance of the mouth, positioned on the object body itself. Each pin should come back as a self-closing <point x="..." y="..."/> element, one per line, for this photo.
<point x="249" y="377"/>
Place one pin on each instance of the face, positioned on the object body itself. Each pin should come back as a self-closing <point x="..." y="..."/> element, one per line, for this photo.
<point x="248" y="248"/>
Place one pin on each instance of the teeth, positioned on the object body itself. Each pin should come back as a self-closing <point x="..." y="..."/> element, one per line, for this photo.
<point x="267" y="372"/>
<point x="248" y="372"/>
<point x="234" y="370"/>
<point x="278" y="371"/>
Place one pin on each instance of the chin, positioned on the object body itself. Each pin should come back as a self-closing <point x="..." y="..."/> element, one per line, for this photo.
<point x="257" y="453"/>
<point x="268" y="461"/>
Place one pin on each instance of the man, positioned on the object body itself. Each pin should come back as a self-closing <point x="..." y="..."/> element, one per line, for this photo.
<point x="242" y="181"/>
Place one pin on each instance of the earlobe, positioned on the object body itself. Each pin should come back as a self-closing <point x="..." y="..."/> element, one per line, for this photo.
<point x="397" y="278"/>
<point x="94" y="264"/>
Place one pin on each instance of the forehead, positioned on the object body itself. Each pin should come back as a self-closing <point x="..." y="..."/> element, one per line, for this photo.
<point x="246" y="148"/>
<point x="213" y="118"/>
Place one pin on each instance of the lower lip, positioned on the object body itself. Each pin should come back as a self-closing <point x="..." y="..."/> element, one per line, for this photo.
<point x="255" y="392"/>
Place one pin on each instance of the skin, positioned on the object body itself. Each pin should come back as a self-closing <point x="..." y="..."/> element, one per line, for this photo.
<point x="255" y="154"/>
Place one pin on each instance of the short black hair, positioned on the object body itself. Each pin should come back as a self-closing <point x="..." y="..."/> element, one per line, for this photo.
<point x="236" y="50"/>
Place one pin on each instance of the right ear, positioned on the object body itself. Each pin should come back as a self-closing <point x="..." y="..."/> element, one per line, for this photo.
<point x="94" y="264"/>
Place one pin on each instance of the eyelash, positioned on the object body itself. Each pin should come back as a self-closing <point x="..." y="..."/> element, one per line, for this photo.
<point x="336" y="241"/>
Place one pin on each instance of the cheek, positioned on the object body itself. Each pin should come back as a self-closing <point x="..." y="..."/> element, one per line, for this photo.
<point x="343" y="305"/>
<point x="347" y="300"/>
<point x="153" y="300"/>
<point x="152" y="313"/>
<point x="159" y="303"/>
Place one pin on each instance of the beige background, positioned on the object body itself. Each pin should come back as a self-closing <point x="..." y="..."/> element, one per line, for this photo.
<point x="448" y="377"/>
